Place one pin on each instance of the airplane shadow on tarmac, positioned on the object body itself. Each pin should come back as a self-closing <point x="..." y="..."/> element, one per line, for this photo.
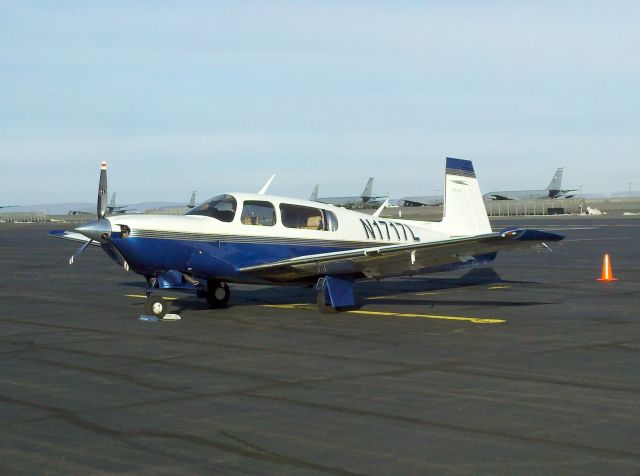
<point x="367" y="292"/>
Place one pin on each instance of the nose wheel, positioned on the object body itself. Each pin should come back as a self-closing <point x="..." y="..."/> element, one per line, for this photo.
<point x="155" y="306"/>
<point x="217" y="294"/>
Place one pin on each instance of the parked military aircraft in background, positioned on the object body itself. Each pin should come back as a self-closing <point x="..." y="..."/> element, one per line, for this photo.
<point x="365" y="197"/>
<point x="192" y="202"/>
<point x="431" y="201"/>
<point x="112" y="208"/>
<point x="553" y="190"/>
<point x="265" y="239"/>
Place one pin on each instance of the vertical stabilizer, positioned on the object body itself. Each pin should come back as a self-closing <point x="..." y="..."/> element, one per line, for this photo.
<point x="464" y="211"/>
<point x="366" y="193"/>
<point x="192" y="202"/>
<point x="112" y="203"/>
<point x="556" y="181"/>
<point x="314" y="195"/>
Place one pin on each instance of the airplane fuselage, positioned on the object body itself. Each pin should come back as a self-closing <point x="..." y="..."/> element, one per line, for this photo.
<point x="204" y="247"/>
<point x="523" y="195"/>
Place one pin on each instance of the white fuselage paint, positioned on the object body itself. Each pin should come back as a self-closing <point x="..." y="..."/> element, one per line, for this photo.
<point x="353" y="226"/>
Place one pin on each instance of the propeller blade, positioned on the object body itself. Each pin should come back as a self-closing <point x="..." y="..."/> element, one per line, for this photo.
<point x="79" y="252"/>
<point x="102" y="191"/>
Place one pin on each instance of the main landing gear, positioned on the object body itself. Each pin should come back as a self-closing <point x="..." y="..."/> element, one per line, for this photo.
<point x="155" y="305"/>
<point x="217" y="293"/>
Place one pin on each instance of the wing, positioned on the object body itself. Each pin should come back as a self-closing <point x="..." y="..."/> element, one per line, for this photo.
<point x="398" y="260"/>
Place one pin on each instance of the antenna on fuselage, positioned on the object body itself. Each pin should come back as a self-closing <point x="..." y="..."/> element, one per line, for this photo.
<point x="382" y="207"/>
<point x="263" y="190"/>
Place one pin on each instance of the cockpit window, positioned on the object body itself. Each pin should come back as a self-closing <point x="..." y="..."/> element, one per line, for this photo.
<point x="258" y="213"/>
<point x="307" y="218"/>
<point x="222" y="207"/>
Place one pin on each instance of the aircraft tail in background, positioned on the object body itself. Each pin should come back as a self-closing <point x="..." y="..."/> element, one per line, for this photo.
<point x="314" y="194"/>
<point x="368" y="189"/>
<point x="556" y="181"/>
<point x="192" y="202"/>
<point x="112" y="202"/>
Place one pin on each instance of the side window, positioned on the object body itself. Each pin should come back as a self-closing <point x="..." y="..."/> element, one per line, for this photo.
<point x="307" y="218"/>
<point x="258" y="213"/>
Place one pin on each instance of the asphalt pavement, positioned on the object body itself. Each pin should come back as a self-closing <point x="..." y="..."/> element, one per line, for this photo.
<point x="528" y="367"/>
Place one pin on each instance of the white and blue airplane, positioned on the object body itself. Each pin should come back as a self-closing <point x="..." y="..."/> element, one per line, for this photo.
<point x="256" y="238"/>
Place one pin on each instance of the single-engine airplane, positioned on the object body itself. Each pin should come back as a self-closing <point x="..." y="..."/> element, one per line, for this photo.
<point x="264" y="239"/>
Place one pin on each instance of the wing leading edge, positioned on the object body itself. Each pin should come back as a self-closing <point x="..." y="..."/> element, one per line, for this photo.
<point x="399" y="260"/>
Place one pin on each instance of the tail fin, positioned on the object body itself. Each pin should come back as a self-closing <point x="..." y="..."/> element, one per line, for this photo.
<point x="112" y="203"/>
<point x="314" y="194"/>
<point x="192" y="202"/>
<point x="366" y="193"/>
<point x="556" y="181"/>
<point x="464" y="211"/>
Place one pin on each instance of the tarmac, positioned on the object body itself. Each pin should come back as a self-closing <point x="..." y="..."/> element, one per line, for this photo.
<point x="530" y="367"/>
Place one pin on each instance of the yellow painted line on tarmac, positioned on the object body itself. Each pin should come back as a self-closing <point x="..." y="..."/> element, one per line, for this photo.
<point x="142" y="296"/>
<point x="290" y="306"/>
<point x="498" y="287"/>
<point x="430" y="293"/>
<point x="473" y="320"/>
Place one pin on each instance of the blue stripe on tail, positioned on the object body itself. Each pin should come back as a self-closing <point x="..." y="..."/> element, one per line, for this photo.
<point x="460" y="167"/>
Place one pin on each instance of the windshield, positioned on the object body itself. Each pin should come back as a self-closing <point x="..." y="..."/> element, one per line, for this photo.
<point x="222" y="207"/>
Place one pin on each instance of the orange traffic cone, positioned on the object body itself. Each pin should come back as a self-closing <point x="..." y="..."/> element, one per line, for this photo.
<point x="607" y="273"/>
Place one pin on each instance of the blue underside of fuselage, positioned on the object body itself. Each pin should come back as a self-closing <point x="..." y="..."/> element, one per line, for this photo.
<point x="221" y="260"/>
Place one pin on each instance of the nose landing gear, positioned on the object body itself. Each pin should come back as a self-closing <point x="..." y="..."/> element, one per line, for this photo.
<point x="155" y="305"/>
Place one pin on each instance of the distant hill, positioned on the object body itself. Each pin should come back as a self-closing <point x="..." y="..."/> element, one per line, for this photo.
<point x="90" y="208"/>
<point x="604" y="195"/>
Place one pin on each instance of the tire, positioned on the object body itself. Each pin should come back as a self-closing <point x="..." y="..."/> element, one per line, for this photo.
<point x="322" y="306"/>
<point x="218" y="295"/>
<point x="155" y="306"/>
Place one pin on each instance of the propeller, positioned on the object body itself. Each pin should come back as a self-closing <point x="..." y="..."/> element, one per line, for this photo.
<point x="100" y="229"/>
<point x="102" y="191"/>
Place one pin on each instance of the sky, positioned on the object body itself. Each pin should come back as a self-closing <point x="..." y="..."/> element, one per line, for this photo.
<point x="217" y="96"/>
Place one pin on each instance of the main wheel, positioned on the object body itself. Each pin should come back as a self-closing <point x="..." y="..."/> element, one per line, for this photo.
<point x="322" y="306"/>
<point x="218" y="294"/>
<point x="155" y="306"/>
